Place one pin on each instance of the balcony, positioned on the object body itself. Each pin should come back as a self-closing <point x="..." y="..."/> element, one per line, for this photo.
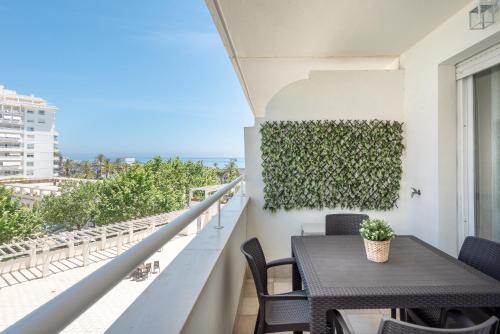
<point x="11" y="157"/>
<point x="11" y="149"/>
<point x="315" y="66"/>
<point x="11" y="168"/>
<point x="10" y="139"/>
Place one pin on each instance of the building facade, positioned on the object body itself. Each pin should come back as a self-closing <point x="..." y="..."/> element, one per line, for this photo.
<point x="28" y="138"/>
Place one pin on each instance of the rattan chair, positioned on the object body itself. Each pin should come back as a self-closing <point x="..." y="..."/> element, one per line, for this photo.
<point x="344" y="223"/>
<point x="280" y="312"/>
<point x="483" y="255"/>
<point x="391" y="326"/>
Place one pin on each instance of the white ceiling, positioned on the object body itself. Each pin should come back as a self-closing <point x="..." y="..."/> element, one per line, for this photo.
<point x="331" y="28"/>
<point x="273" y="43"/>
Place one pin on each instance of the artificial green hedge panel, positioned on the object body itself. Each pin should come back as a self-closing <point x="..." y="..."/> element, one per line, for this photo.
<point x="331" y="164"/>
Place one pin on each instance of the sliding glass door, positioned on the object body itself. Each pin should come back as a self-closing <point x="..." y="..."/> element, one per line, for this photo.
<point x="486" y="153"/>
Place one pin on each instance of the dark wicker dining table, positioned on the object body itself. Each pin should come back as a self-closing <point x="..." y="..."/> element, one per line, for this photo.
<point x="336" y="274"/>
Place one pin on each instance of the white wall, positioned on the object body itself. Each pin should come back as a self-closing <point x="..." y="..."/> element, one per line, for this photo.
<point x="325" y="95"/>
<point x="427" y="105"/>
<point x="430" y="114"/>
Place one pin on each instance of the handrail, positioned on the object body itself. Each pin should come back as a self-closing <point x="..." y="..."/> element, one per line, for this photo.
<point x="60" y="311"/>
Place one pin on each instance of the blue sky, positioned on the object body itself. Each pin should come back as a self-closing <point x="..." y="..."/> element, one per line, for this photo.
<point x="133" y="78"/>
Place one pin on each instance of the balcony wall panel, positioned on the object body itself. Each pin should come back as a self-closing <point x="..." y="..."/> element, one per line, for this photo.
<point x="200" y="290"/>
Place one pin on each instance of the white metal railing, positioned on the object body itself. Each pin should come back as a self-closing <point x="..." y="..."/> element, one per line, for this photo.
<point x="59" y="312"/>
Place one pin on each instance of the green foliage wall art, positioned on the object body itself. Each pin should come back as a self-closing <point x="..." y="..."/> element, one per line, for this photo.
<point x="331" y="164"/>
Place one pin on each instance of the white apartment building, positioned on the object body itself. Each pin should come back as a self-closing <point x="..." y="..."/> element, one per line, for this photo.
<point x="28" y="139"/>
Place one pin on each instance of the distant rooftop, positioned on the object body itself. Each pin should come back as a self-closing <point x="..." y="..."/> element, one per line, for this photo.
<point x="11" y="97"/>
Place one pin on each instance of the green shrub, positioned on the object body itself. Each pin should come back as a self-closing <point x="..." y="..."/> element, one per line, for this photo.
<point x="331" y="164"/>
<point x="16" y="220"/>
<point x="376" y="230"/>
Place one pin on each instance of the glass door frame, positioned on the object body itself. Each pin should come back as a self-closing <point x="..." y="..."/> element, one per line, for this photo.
<point x="466" y="159"/>
<point x="466" y="190"/>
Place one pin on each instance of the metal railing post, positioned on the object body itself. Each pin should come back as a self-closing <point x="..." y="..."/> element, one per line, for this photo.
<point x="218" y="226"/>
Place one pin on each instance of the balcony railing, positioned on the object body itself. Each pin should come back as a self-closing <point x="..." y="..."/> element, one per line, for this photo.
<point x="11" y="157"/>
<point x="59" y="312"/>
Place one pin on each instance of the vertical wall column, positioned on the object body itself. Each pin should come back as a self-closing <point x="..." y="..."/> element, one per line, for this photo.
<point x="85" y="252"/>
<point x="71" y="248"/>
<point x="130" y="232"/>
<point x="32" y="258"/>
<point x="119" y="242"/>
<point x="45" y="260"/>
<point x="103" y="239"/>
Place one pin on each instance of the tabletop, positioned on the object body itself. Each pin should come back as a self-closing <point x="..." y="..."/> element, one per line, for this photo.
<point x="337" y="275"/>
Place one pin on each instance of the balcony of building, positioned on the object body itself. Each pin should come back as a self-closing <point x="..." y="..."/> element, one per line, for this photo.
<point x="11" y="157"/>
<point x="419" y="64"/>
<point x="10" y="128"/>
<point x="10" y="138"/>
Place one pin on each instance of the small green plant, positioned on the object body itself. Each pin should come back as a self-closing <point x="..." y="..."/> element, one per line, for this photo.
<point x="376" y="230"/>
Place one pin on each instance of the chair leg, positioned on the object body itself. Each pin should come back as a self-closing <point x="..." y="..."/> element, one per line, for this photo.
<point x="394" y="314"/>
<point x="403" y="315"/>
<point x="256" y="329"/>
<point x="259" y="324"/>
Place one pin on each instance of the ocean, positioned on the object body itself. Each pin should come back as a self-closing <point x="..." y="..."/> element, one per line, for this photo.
<point x="221" y="162"/>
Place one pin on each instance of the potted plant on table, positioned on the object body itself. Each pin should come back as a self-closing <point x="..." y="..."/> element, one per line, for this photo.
<point x="377" y="235"/>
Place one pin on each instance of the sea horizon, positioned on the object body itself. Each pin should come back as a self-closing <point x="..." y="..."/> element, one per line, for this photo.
<point x="207" y="161"/>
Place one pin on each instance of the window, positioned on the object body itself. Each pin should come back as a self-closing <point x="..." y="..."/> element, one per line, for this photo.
<point x="30" y="120"/>
<point x="30" y="164"/>
<point x="30" y="146"/>
<point x="30" y="128"/>
<point x="30" y="111"/>
<point x="30" y="172"/>
<point x="41" y="120"/>
<point x="30" y="136"/>
<point x="30" y="155"/>
<point x="41" y="112"/>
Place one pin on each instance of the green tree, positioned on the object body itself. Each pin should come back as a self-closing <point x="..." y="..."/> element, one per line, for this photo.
<point x="99" y="162"/>
<point x="118" y="165"/>
<point x="68" y="167"/>
<point x="230" y="171"/>
<point x="16" y="220"/>
<point x="74" y="208"/>
<point x="107" y="168"/>
<point x="86" y="170"/>
<point x="130" y="194"/>
<point x="136" y="191"/>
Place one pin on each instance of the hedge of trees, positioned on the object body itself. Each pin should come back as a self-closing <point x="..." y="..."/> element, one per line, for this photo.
<point x="139" y="190"/>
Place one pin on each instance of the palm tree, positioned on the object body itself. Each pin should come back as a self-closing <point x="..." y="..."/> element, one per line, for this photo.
<point x="231" y="171"/>
<point x="118" y="165"/>
<point x="107" y="168"/>
<point x="68" y="167"/>
<point x="99" y="161"/>
<point x="86" y="169"/>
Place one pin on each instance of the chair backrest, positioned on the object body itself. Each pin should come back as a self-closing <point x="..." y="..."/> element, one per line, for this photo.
<point x="344" y="223"/>
<point x="391" y="326"/>
<point x="482" y="254"/>
<point x="258" y="265"/>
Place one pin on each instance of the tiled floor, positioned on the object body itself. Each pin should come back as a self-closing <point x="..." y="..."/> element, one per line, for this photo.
<point x="361" y="321"/>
